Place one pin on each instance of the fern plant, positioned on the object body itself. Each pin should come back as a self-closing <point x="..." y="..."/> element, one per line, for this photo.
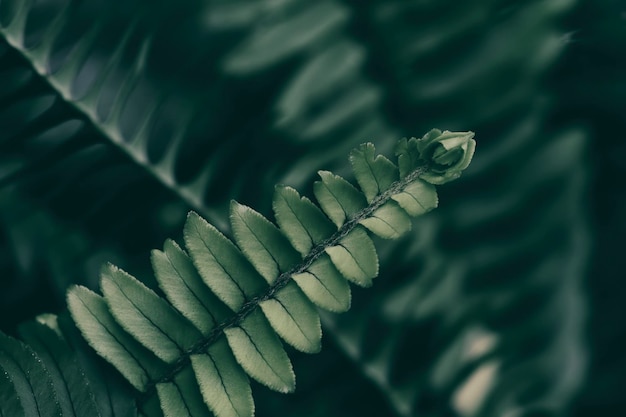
<point x="225" y="304"/>
<point x="364" y="70"/>
<point x="52" y="372"/>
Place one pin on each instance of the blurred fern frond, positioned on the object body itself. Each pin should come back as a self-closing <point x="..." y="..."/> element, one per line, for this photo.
<point x="55" y="374"/>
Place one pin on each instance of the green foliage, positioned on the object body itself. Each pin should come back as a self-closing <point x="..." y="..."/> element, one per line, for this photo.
<point x="227" y="304"/>
<point x="45" y="375"/>
<point x="262" y="92"/>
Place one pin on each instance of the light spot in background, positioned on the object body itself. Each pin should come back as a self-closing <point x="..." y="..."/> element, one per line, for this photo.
<point x="468" y="399"/>
<point x="471" y="346"/>
<point x="478" y="343"/>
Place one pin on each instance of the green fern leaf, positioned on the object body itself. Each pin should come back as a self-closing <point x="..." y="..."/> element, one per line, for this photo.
<point x="174" y="404"/>
<point x="260" y="353"/>
<point x="355" y="257"/>
<point x="182" y="396"/>
<point x="417" y="198"/>
<point x="324" y="285"/>
<point x="294" y="318"/>
<point x="219" y="320"/>
<point x="146" y="316"/>
<point x="138" y="365"/>
<point x="389" y="221"/>
<point x="262" y="243"/>
<point x="184" y="288"/>
<point x="11" y="405"/>
<point x="374" y="173"/>
<point x="31" y="380"/>
<point x="220" y="264"/>
<point x="403" y="45"/>
<point x="43" y="376"/>
<point x="224" y="385"/>
<point x="300" y="220"/>
<point x="339" y="199"/>
<point x="71" y="385"/>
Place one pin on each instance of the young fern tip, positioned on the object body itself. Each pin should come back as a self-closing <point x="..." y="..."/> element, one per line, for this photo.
<point x="228" y="303"/>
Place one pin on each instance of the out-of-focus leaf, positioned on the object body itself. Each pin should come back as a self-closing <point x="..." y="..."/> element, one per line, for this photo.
<point x="95" y="118"/>
<point x="592" y="87"/>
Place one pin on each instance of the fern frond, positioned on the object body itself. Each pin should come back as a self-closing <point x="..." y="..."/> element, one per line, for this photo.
<point x="114" y="79"/>
<point x="227" y="304"/>
<point x="43" y="376"/>
<point x="60" y="50"/>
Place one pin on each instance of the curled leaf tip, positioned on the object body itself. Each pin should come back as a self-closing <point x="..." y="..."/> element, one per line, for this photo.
<point x="444" y="155"/>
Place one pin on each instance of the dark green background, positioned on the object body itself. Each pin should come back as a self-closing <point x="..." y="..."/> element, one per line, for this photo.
<point x="527" y="245"/>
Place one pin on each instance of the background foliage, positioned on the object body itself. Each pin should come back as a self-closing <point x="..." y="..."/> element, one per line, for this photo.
<point x="123" y="115"/>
